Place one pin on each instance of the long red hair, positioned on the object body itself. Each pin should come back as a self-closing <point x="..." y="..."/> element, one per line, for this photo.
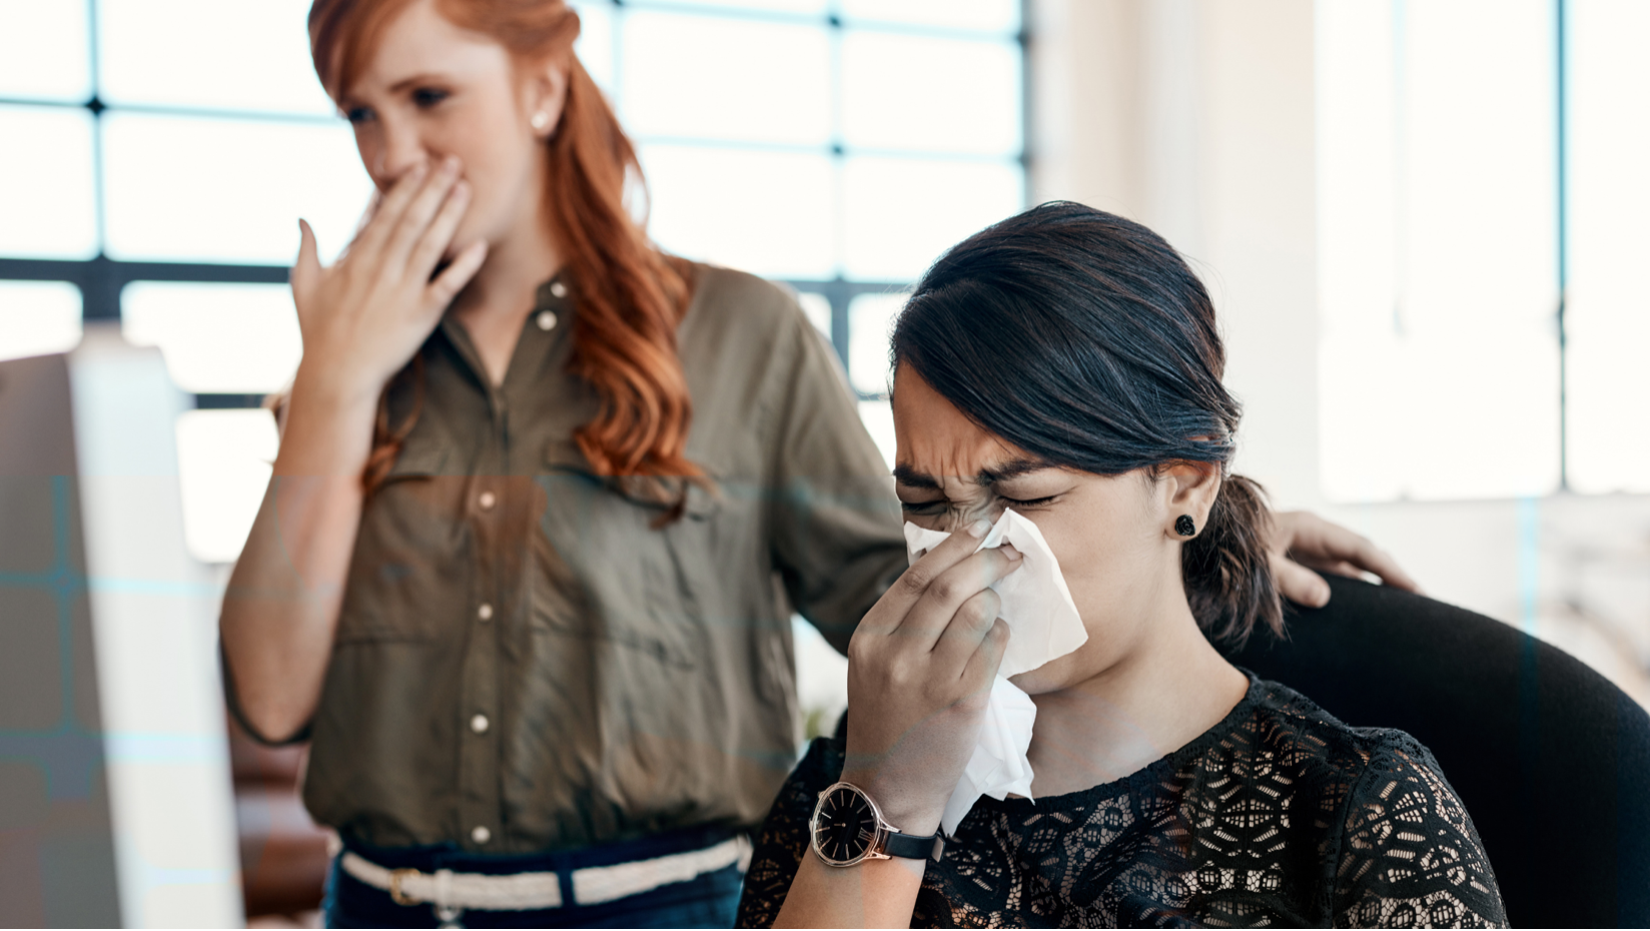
<point x="631" y="296"/>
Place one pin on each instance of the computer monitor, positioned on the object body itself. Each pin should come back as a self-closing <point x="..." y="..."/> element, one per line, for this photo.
<point x="116" y="803"/>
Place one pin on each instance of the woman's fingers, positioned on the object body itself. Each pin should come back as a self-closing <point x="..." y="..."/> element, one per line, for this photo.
<point x="1319" y="542"/>
<point x="419" y="213"/>
<point x="968" y="626"/>
<point x="937" y="610"/>
<point x="1298" y="583"/>
<point x="921" y="667"/>
<point x="981" y="669"/>
<point x="1370" y="558"/>
<point x="913" y="584"/>
<point x="386" y="219"/>
<point x="438" y="236"/>
<point x="1339" y="568"/>
<point x="455" y="276"/>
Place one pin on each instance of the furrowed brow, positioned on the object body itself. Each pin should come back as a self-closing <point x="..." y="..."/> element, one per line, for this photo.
<point x="1008" y="470"/>
<point x="906" y="475"/>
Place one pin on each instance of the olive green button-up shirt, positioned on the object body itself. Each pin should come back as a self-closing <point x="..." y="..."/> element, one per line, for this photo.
<point x="523" y="663"/>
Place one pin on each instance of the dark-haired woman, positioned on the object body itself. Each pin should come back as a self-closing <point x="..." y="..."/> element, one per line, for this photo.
<point x="1066" y="364"/>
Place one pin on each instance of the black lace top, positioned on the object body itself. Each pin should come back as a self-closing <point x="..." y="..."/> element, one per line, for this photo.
<point x="1278" y="815"/>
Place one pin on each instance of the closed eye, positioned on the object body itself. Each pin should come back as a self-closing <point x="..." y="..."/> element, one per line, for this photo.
<point x="427" y="97"/>
<point x="1029" y="502"/>
<point x="935" y="507"/>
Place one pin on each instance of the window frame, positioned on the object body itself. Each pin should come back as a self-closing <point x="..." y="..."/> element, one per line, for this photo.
<point x="101" y="279"/>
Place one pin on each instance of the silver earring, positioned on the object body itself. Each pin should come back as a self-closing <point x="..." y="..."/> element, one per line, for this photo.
<point x="540" y="121"/>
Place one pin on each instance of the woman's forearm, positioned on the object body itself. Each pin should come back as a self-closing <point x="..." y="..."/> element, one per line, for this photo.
<point x="874" y="894"/>
<point x="281" y="608"/>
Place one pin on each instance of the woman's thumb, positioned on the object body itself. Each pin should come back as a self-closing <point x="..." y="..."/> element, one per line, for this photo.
<point x="308" y="266"/>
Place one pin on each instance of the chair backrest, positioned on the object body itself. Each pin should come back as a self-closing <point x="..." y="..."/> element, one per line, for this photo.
<point x="1550" y="758"/>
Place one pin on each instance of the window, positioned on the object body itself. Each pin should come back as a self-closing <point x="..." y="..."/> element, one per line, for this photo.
<point x="838" y="145"/>
<point x="1607" y="308"/>
<point x="129" y="196"/>
<point x="1481" y="169"/>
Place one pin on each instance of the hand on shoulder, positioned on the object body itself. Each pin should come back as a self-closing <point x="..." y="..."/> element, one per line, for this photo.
<point x="1301" y="541"/>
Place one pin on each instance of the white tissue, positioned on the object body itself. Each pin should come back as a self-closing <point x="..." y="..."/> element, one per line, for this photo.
<point x="1043" y="625"/>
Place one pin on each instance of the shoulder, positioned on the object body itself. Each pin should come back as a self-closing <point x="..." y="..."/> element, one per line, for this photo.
<point x="717" y="283"/>
<point x="1352" y="759"/>
<point x="731" y="303"/>
<point x="744" y="336"/>
<point x="754" y="365"/>
<point x="1400" y="846"/>
<point x="1284" y="718"/>
<point x="1409" y="853"/>
<point x="1283" y="721"/>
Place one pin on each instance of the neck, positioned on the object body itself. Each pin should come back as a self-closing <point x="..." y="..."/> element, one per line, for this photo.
<point x="494" y="306"/>
<point x="516" y="265"/>
<point x="1166" y="690"/>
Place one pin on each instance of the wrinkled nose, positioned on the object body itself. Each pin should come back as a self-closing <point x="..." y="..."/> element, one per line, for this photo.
<point x="959" y="516"/>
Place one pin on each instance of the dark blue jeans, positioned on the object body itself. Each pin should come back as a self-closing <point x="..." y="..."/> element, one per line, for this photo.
<point x="708" y="901"/>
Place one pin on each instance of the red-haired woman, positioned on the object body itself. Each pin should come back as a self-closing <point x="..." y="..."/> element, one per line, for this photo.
<point x="545" y="501"/>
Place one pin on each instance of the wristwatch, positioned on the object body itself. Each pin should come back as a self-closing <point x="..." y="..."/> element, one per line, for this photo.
<point x="848" y="828"/>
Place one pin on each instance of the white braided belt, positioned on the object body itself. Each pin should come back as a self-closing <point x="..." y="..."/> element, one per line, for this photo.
<point x="592" y="885"/>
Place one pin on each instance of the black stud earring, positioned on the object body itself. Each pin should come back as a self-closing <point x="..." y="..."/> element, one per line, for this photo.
<point x="1183" y="525"/>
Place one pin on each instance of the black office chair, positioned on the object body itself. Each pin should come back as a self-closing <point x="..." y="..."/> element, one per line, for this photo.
<point x="1551" y="759"/>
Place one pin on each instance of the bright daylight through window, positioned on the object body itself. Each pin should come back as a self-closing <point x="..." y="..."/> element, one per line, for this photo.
<point x="820" y="142"/>
<point x="1482" y="190"/>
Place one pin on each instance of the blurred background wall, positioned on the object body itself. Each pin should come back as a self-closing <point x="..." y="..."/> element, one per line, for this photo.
<point x="1421" y="221"/>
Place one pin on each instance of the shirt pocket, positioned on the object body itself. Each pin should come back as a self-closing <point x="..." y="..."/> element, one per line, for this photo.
<point x="610" y="569"/>
<point x="409" y="574"/>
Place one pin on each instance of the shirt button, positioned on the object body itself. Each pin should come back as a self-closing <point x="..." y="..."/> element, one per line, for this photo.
<point x="485" y="612"/>
<point x="480" y="834"/>
<point x="547" y="320"/>
<point x="558" y="289"/>
<point x="487" y="500"/>
<point x="479" y="724"/>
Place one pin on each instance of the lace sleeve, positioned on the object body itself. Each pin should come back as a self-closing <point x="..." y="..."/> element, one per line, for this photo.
<point x="783" y="840"/>
<point x="1410" y="856"/>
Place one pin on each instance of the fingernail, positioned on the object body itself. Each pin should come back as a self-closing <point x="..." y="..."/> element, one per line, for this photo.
<point x="450" y="164"/>
<point x="1011" y="552"/>
<point x="979" y="528"/>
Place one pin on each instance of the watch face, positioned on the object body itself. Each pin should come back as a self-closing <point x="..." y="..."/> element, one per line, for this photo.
<point x="845" y="825"/>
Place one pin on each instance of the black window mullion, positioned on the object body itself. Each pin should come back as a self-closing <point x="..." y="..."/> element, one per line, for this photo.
<point x="102" y="279"/>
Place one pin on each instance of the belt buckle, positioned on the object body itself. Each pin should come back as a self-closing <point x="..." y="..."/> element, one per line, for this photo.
<point x="396" y="895"/>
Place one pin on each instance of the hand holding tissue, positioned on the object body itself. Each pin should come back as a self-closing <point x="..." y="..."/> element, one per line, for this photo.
<point x="1043" y="625"/>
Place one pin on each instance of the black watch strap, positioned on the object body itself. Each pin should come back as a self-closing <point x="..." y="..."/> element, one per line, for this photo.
<point x="910" y="846"/>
